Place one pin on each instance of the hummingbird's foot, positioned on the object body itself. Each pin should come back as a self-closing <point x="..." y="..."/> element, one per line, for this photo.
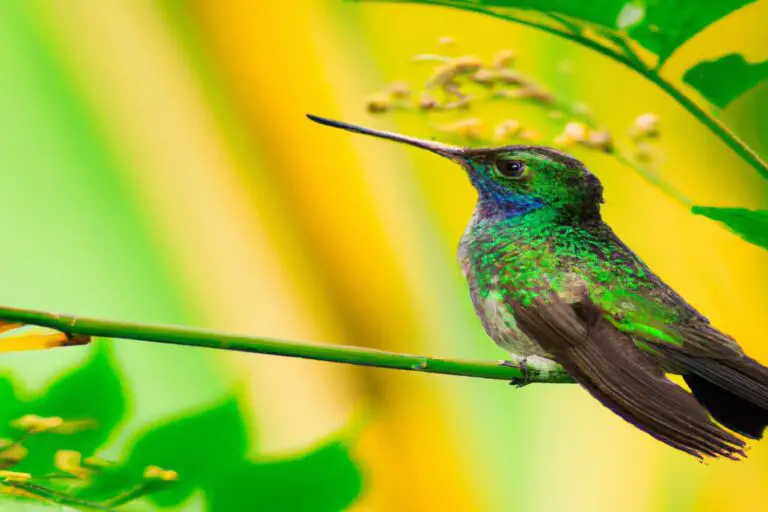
<point x="520" y="364"/>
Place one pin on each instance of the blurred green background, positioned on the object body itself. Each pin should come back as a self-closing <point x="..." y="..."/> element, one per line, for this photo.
<point x="157" y="167"/>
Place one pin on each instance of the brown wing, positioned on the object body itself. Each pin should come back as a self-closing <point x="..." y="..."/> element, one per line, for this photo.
<point x="608" y="364"/>
<point x="691" y="329"/>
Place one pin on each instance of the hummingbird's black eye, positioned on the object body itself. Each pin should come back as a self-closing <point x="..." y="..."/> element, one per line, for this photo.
<point x="511" y="169"/>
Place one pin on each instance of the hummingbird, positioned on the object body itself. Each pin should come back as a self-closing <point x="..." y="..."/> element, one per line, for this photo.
<point x="551" y="282"/>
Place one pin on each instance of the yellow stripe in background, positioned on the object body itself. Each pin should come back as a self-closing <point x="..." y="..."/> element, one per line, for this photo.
<point x="271" y="56"/>
<point x="191" y="184"/>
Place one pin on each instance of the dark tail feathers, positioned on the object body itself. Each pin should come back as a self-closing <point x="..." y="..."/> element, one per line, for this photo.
<point x="734" y="391"/>
<point x="607" y="363"/>
<point x="650" y="402"/>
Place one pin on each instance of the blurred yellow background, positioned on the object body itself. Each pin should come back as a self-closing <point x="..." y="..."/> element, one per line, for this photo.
<point x="157" y="166"/>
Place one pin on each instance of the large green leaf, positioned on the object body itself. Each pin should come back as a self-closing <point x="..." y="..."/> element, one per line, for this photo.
<point x="668" y="24"/>
<point x="751" y="225"/>
<point x="200" y="447"/>
<point x="661" y="26"/>
<point x="723" y="80"/>
<point x="208" y="450"/>
<point x="325" y="479"/>
<point x="90" y="392"/>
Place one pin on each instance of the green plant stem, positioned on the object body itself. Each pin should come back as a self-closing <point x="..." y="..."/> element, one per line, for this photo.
<point x="75" y="325"/>
<point x="715" y="125"/>
<point x="53" y="496"/>
<point x="654" y="179"/>
<point x="719" y="129"/>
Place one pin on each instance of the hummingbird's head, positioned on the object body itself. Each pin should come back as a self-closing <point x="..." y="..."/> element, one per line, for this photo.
<point x="517" y="179"/>
<point x="513" y="180"/>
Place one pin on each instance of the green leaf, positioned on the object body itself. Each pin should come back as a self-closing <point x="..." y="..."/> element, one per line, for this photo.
<point x="11" y="407"/>
<point x="198" y="446"/>
<point x="723" y="80"/>
<point x="751" y="225"/>
<point x="323" y="480"/>
<point x="92" y="391"/>
<point x="661" y="26"/>
<point x="668" y="24"/>
<point x="208" y="450"/>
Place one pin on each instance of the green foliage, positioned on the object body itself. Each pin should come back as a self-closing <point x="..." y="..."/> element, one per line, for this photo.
<point x="207" y="449"/>
<point x="92" y="391"/>
<point x="751" y="225"/>
<point x="205" y="446"/>
<point x="723" y="80"/>
<point x="661" y="26"/>
<point x="668" y="24"/>
<point x="324" y="479"/>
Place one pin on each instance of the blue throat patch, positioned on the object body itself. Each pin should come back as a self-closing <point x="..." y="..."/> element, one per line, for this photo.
<point x="497" y="201"/>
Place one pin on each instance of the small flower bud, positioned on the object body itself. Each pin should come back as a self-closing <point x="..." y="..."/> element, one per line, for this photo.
<point x="400" y="90"/>
<point x="446" y="41"/>
<point x="156" y="473"/>
<point x="68" y="461"/>
<point x="576" y="131"/>
<point x="377" y="104"/>
<point x="646" y="125"/>
<point x="504" y="59"/>
<point x="506" y="130"/>
<point x="33" y="423"/>
<point x="11" y="453"/>
<point x="483" y="77"/>
<point x="600" y="140"/>
<point x="427" y="102"/>
<point x="467" y="63"/>
<point x="459" y="66"/>
<point x="470" y="129"/>
<point x="536" y="93"/>
<point x="510" y="77"/>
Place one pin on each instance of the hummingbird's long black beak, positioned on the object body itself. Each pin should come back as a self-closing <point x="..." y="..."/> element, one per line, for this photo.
<point x="446" y="150"/>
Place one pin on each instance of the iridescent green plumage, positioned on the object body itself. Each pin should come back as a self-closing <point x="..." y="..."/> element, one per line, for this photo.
<point x="549" y="279"/>
<point x="542" y="233"/>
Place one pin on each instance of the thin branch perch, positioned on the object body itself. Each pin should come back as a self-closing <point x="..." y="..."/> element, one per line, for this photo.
<point x="80" y="326"/>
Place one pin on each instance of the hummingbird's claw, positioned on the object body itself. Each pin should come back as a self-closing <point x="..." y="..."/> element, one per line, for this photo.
<point x="523" y="367"/>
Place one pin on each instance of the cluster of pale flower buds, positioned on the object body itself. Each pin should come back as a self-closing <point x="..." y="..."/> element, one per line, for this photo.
<point x="452" y="76"/>
<point x="457" y="83"/>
